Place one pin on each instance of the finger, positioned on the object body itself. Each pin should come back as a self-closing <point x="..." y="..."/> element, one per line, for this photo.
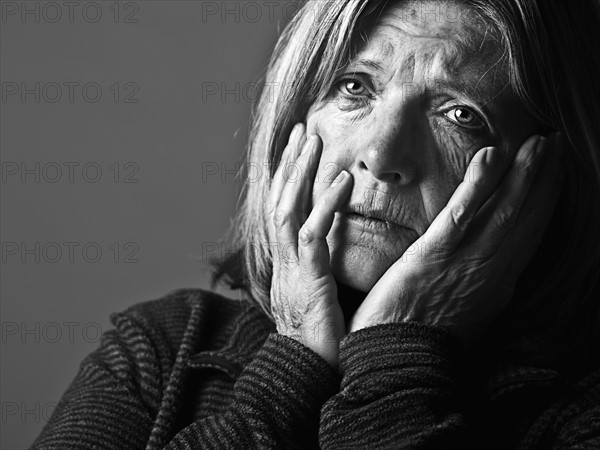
<point x="297" y="137"/>
<point x="291" y="149"/>
<point x="481" y="178"/>
<point x="291" y="211"/>
<point x="539" y="206"/>
<point x="499" y="215"/>
<point x="313" y="250"/>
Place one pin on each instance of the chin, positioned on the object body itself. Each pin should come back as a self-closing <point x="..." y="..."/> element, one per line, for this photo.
<point x="359" y="258"/>
<point x="359" y="267"/>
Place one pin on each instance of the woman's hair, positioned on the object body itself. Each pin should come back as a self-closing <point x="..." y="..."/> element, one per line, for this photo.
<point x="550" y="50"/>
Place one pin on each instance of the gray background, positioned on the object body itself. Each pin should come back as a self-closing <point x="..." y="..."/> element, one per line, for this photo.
<point x="161" y="143"/>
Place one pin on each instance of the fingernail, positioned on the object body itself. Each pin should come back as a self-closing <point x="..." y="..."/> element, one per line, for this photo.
<point x="541" y="142"/>
<point x="295" y="132"/>
<point x="341" y="176"/>
<point x="310" y="144"/>
<point x="491" y="156"/>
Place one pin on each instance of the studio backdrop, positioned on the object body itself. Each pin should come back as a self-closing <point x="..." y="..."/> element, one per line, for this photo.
<point x="122" y="128"/>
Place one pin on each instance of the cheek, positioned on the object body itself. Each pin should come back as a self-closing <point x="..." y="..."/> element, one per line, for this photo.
<point x="453" y="149"/>
<point x="458" y="146"/>
<point x="337" y="142"/>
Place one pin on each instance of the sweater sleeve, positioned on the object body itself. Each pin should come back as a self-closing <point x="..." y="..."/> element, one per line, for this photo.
<point x="398" y="391"/>
<point x="278" y="398"/>
<point x="115" y="399"/>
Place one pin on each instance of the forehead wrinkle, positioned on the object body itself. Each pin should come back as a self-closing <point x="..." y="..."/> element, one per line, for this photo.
<point x="441" y="59"/>
<point x="455" y="48"/>
<point x="445" y="59"/>
<point x="465" y="59"/>
<point x="439" y="62"/>
<point x="386" y="49"/>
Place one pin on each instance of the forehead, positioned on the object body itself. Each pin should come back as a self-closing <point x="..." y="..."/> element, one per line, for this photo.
<point x="440" y="42"/>
<point x="433" y="18"/>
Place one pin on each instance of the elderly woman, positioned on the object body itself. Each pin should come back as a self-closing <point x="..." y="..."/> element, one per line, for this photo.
<point x="419" y="270"/>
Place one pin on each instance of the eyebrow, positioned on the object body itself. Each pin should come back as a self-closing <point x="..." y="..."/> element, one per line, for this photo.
<point x="367" y="63"/>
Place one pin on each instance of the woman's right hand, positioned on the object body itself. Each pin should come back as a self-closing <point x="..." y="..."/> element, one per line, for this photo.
<point x="303" y="293"/>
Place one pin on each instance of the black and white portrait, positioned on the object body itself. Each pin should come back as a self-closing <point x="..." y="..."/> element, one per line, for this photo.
<point x="337" y="224"/>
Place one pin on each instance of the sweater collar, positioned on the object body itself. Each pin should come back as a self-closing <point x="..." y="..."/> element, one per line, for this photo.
<point x="246" y="335"/>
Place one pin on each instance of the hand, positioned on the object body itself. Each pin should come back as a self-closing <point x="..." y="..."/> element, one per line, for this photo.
<point x="462" y="271"/>
<point x="303" y="290"/>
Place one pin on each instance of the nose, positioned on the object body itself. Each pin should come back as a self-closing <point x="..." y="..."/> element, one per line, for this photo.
<point x="389" y="146"/>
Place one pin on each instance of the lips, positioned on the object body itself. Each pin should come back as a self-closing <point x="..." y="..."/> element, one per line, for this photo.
<point x="372" y="219"/>
<point x="376" y="214"/>
<point x="371" y="224"/>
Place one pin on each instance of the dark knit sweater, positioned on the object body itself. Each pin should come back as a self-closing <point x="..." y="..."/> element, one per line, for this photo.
<point x="195" y="370"/>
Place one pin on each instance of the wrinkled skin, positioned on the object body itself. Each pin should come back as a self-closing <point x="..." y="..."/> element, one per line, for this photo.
<point x="398" y="139"/>
<point x="431" y="135"/>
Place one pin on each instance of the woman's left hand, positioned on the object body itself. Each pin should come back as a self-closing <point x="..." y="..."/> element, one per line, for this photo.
<point x="462" y="271"/>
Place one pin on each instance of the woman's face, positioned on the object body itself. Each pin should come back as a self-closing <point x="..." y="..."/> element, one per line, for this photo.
<point x="405" y="117"/>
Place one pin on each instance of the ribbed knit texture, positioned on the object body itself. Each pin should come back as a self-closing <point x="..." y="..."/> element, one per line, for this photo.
<point x="195" y="370"/>
<point x="395" y="380"/>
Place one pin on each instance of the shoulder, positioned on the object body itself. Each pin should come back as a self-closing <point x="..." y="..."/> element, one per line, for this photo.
<point x="167" y="319"/>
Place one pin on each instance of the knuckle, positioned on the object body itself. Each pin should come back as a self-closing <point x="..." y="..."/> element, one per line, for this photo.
<point x="527" y="168"/>
<point x="459" y="216"/>
<point x="306" y="236"/>
<point x="505" y="218"/>
<point x="282" y="218"/>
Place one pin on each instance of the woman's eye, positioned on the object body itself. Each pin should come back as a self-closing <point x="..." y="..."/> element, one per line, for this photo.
<point x="464" y="117"/>
<point x="352" y="87"/>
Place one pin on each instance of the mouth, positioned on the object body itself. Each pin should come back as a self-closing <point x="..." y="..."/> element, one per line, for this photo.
<point x="372" y="219"/>
<point x="371" y="223"/>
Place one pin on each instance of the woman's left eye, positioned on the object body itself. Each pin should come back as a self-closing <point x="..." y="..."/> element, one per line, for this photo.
<point x="352" y="87"/>
<point x="464" y="117"/>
